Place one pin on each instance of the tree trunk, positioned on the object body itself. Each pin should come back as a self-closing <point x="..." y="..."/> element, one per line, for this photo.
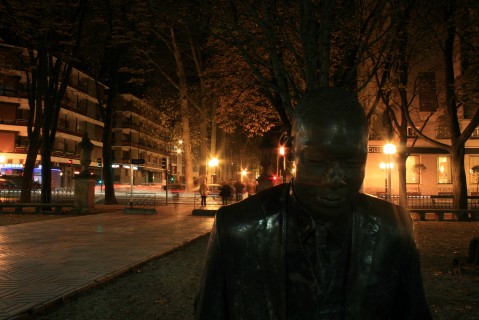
<point x="46" y="169"/>
<point x="459" y="177"/>
<point x="214" y="138"/>
<point x="110" y="197"/>
<point x="184" y="107"/>
<point x="36" y="84"/>
<point x="457" y="145"/>
<point x="203" y="140"/>
<point x="401" y="163"/>
<point x="204" y="119"/>
<point x="27" y="180"/>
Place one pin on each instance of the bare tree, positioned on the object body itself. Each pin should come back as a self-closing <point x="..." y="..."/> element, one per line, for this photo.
<point x="443" y="18"/>
<point x="49" y="31"/>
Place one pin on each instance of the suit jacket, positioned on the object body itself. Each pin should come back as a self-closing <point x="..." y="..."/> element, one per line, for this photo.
<point x="244" y="272"/>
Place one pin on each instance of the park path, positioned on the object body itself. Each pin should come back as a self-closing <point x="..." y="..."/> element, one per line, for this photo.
<point x="44" y="262"/>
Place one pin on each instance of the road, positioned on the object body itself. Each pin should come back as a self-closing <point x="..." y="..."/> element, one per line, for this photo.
<point x="148" y="193"/>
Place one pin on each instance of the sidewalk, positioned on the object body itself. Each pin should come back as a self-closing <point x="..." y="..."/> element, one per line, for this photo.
<point x="44" y="262"/>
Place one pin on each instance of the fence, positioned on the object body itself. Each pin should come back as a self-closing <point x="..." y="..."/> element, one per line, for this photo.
<point x="139" y="200"/>
<point x="439" y="201"/>
<point x="57" y="196"/>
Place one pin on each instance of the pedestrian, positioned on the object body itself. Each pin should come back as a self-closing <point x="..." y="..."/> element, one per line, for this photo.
<point x="239" y="187"/>
<point x="316" y="247"/>
<point x="203" y="192"/>
<point x="251" y="188"/>
<point x="225" y="193"/>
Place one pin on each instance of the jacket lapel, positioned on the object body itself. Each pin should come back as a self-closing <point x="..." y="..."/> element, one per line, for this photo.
<point x="271" y="253"/>
<point x="365" y="230"/>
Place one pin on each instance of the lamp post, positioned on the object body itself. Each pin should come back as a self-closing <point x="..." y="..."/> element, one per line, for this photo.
<point x="213" y="163"/>
<point x="2" y="161"/>
<point x="282" y="153"/>
<point x="244" y="172"/>
<point x="389" y="149"/>
<point x="179" y="159"/>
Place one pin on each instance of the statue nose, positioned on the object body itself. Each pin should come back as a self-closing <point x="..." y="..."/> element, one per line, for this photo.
<point x="336" y="176"/>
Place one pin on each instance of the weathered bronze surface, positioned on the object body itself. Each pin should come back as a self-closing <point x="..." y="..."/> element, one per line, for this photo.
<point x="315" y="248"/>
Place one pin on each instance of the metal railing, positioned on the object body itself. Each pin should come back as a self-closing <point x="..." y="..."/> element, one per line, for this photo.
<point x="438" y="201"/>
<point x="139" y="200"/>
<point x="57" y="196"/>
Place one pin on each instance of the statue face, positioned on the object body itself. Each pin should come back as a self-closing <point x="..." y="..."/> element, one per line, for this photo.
<point x="330" y="152"/>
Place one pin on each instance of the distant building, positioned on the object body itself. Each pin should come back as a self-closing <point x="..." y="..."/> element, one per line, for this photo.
<point x="136" y="135"/>
<point x="428" y="168"/>
<point x="139" y="135"/>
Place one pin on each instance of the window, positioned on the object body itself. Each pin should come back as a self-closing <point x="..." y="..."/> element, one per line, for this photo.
<point x="474" y="169"/>
<point x="411" y="133"/>
<point x="413" y="170"/>
<point x="475" y="133"/>
<point x="442" y="125"/>
<point x="444" y="169"/>
<point x="427" y="91"/>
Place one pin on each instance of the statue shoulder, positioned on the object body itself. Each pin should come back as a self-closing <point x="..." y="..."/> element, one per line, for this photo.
<point x="389" y="213"/>
<point x="253" y="210"/>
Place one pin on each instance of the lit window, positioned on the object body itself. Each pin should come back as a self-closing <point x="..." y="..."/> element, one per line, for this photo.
<point x="474" y="169"/>
<point x="444" y="169"/>
<point x="413" y="170"/>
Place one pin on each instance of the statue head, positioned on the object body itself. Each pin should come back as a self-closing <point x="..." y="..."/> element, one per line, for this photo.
<point x="85" y="149"/>
<point x="330" y="138"/>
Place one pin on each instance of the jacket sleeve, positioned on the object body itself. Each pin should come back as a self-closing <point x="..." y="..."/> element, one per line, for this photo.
<point x="210" y="302"/>
<point x="412" y="303"/>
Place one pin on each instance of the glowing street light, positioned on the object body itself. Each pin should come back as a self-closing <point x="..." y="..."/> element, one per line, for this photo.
<point x="281" y="153"/>
<point x="389" y="149"/>
<point x="213" y="163"/>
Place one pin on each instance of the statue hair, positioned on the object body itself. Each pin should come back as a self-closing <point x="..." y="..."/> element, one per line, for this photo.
<point x="329" y="102"/>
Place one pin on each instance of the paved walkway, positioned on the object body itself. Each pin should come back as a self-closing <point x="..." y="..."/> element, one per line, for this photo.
<point x="44" y="262"/>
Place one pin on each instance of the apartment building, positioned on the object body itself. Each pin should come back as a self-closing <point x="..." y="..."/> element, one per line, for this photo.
<point x="428" y="168"/>
<point x="136" y="135"/>
<point x="79" y="114"/>
<point x="140" y="149"/>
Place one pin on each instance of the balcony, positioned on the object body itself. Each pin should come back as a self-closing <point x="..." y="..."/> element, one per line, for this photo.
<point x="69" y="131"/>
<point x="128" y="125"/>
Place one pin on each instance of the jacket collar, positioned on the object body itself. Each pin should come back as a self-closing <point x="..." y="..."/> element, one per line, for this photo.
<point x="271" y="251"/>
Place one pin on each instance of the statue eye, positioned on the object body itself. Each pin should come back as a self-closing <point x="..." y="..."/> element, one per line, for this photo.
<point x="355" y="163"/>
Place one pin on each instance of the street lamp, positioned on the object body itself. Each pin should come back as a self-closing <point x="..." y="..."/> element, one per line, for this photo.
<point x="389" y="149"/>
<point x="213" y="163"/>
<point x="281" y="153"/>
<point x="179" y="162"/>
<point x="244" y="172"/>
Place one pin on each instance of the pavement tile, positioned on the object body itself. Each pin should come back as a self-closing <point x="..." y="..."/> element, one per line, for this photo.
<point x="47" y="260"/>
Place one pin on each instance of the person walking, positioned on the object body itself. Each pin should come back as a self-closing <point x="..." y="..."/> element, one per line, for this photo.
<point x="239" y="186"/>
<point x="251" y="188"/>
<point x="203" y="192"/>
<point x="225" y="193"/>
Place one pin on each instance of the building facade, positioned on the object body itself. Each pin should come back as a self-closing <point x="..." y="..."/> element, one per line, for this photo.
<point x="428" y="167"/>
<point x="137" y="134"/>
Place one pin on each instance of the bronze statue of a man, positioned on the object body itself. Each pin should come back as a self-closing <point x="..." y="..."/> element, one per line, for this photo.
<point x="315" y="248"/>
